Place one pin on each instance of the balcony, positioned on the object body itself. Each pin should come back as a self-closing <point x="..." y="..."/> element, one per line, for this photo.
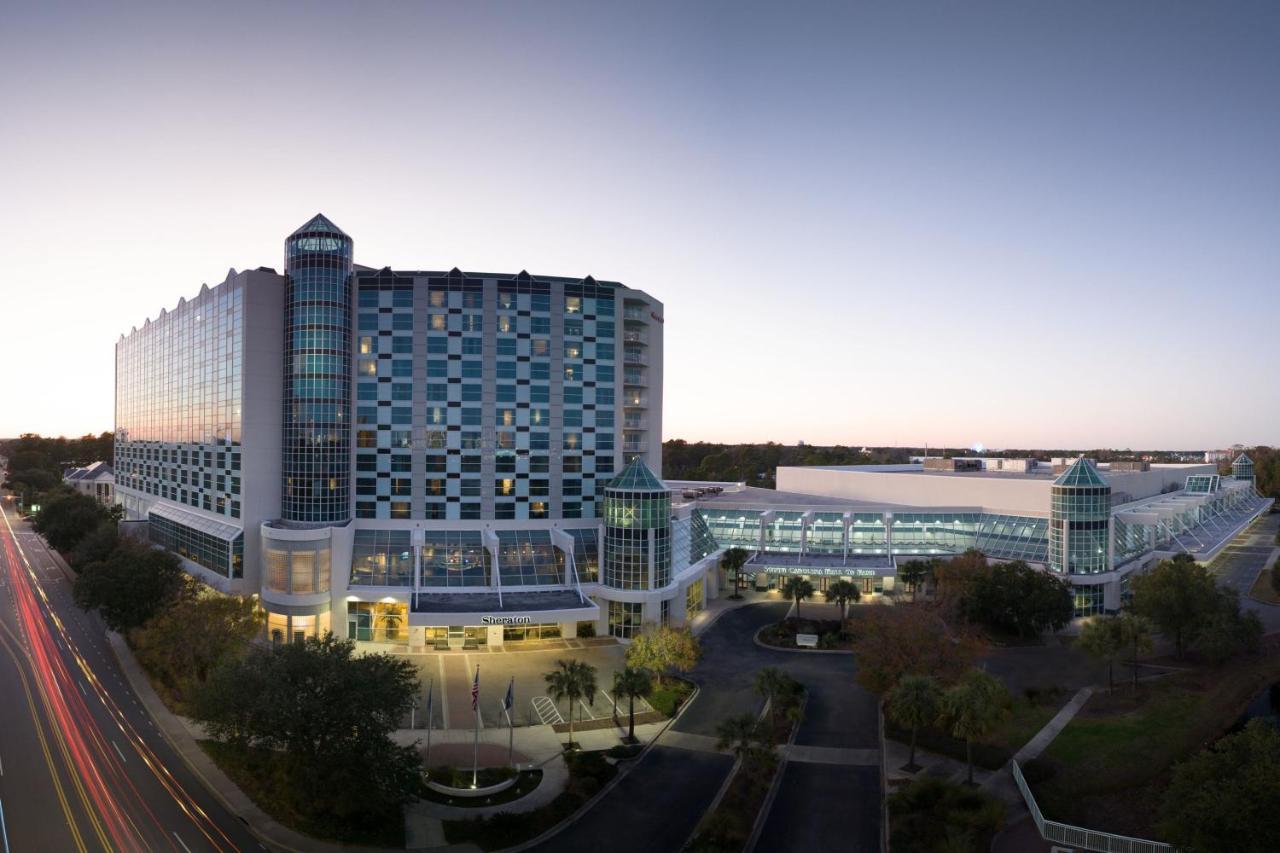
<point x="635" y="401"/>
<point x="633" y="377"/>
<point x="636" y="313"/>
<point x="634" y="447"/>
<point x="635" y="336"/>
<point x="634" y="423"/>
<point x="634" y="357"/>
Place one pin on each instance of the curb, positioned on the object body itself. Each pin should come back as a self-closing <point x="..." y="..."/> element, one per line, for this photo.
<point x="774" y="784"/>
<point x="755" y="638"/>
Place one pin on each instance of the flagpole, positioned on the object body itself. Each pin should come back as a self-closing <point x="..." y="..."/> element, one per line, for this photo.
<point x="475" y="750"/>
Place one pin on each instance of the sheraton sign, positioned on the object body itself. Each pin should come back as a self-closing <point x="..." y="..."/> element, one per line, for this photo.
<point x="506" y="620"/>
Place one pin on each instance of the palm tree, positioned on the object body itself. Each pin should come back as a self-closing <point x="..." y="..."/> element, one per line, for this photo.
<point x="843" y="593"/>
<point x="574" y="680"/>
<point x="733" y="561"/>
<point x="973" y="708"/>
<point x="1135" y="632"/>
<point x="775" y="686"/>
<point x="797" y="589"/>
<point x="915" y="702"/>
<point x="739" y="734"/>
<point x="632" y="683"/>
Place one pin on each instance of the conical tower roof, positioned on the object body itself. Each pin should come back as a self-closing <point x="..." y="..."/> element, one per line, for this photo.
<point x="1081" y="473"/>
<point x="320" y="223"/>
<point x="637" y="477"/>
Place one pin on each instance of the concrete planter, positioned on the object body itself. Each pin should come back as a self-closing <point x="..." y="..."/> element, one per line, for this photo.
<point x="472" y="792"/>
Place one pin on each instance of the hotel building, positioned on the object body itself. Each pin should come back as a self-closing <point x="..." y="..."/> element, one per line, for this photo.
<point x="415" y="457"/>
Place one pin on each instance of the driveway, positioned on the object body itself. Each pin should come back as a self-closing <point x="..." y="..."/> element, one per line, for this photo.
<point x="657" y="805"/>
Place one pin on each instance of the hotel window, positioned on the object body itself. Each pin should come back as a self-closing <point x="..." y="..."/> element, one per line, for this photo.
<point x="573" y="305"/>
<point x="368" y="345"/>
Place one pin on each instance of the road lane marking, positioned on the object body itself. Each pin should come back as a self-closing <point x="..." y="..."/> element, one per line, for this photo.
<point x="118" y="752"/>
<point x="4" y="832"/>
<point x="183" y="843"/>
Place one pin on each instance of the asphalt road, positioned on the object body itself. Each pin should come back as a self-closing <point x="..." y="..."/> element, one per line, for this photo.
<point x="82" y="766"/>
<point x="657" y="806"/>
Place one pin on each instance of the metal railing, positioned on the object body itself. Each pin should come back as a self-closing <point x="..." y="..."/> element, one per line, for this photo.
<point x="1085" y="839"/>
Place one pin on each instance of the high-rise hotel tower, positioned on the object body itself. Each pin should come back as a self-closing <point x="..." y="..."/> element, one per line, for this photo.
<point x="419" y="458"/>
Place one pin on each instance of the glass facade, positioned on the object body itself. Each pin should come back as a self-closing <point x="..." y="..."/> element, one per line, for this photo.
<point x="625" y="619"/>
<point x="223" y="556"/>
<point x="529" y="558"/>
<point x="1242" y="468"/>
<point x="455" y="558"/>
<point x="382" y="558"/>
<point x="316" y="442"/>
<point x="179" y="398"/>
<point x="586" y="553"/>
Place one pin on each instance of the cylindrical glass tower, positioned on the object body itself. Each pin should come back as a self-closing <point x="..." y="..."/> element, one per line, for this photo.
<point x="1080" y="522"/>
<point x="637" y="530"/>
<point x="316" y="445"/>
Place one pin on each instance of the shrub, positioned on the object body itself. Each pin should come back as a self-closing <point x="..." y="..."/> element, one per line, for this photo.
<point x="929" y="815"/>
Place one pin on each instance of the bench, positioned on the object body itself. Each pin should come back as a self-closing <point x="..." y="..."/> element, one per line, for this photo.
<point x="807" y="641"/>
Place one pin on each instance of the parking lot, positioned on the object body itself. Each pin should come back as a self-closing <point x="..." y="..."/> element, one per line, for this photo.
<point x="449" y="677"/>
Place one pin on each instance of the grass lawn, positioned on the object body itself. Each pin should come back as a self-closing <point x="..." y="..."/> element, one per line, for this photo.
<point x="1027" y="716"/>
<point x="1262" y="589"/>
<point x="263" y="775"/>
<point x="1108" y="768"/>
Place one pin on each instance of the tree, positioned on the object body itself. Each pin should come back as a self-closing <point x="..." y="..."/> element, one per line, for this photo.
<point x="184" y="643"/>
<point x="732" y="561"/>
<point x="915" y="572"/>
<point x="1015" y="597"/>
<point x="973" y="708"/>
<point x="1135" y="634"/>
<point x="1224" y="798"/>
<point x="741" y="734"/>
<point x="1227" y="631"/>
<point x="915" y="702"/>
<point x="329" y="714"/>
<point x="1178" y="595"/>
<point x="660" y="648"/>
<point x="890" y="642"/>
<point x="954" y="576"/>
<point x="634" y="684"/>
<point x="1102" y="638"/>
<point x="573" y="680"/>
<point x="797" y="590"/>
<point x="67" y="517"/>
<point x="133" y="584"/>
<point x="780" y="690"/>
<point x="96" y="545"/>
<point x="843" y="593"/>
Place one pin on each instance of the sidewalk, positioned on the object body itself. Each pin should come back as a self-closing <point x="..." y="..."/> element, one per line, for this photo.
<point x="717" y="607"/>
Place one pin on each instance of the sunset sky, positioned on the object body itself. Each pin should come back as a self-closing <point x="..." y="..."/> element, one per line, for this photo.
<point x="1021" y="224"/>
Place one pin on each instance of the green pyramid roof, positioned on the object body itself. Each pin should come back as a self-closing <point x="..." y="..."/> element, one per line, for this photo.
<point x="637" y="477"/>
<point x="1081" y="473"/>
<point x="320" y="222"/>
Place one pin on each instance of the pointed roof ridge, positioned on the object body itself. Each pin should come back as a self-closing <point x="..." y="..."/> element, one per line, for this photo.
<point x="637" y="476"/>
<point x="1081" y="473"/>
<point x="320" y="222"/>
<point x="1242" y="458"/>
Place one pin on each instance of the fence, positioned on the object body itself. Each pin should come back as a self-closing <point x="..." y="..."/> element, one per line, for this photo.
<point x="1085" y="839"/>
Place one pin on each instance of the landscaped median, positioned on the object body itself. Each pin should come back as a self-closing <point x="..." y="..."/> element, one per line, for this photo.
<point x="741" y="806"/>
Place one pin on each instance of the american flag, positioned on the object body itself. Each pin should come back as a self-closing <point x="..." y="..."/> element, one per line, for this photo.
<point x="475" y="690"/>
